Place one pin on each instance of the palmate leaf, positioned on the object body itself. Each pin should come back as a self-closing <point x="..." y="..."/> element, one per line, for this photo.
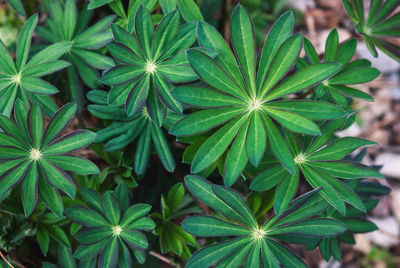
<point x="38" y="163"/>
<point x="253" y="243"/>
<point x="22" y="78"/>
<point x="242" y="103"/>
<point x="68" y="25"/>
<point x="149" y="64"/>
<point x="124" y="130"/>
<point x="110" y="228"/>
<point x="322" y="163"/>
<point x="355" y="72"/>
<point x="378" y="26"/>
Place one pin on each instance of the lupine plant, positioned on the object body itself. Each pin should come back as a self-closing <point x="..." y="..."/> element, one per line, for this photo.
<point x="185" y="144"/>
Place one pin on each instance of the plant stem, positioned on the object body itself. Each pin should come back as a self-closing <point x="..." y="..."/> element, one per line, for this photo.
<point x="5" y="259"/>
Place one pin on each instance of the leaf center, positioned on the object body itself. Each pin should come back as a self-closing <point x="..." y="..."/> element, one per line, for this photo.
<point x="35" y="154"/>
<point x="116" y="230"/>
<point x="254" y="105"/>
<point x="300" y="159"/>
<point x="150" y="67"/>
<point x="258" y="234"/>
<point x="16" y="78"/>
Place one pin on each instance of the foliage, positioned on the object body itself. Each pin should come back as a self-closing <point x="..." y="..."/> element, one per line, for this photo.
<point x="65" y="24"/>
<point x="113" y="229"/>
<point x="178" y="111"/>
<point x="379" y="27"/>
<point x="21" y="79"/>
<point x="35" y="157"/>
<point x="246" y="101"/>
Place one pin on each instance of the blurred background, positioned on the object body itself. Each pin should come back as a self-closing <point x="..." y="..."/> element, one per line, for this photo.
<point x="378" y="121"/>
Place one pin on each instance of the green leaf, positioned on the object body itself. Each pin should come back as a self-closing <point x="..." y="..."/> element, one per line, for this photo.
<point x="164" y="88"/>
<point x="37" y="86"/>
<point x="24" y="41"/>
<point x="133" y="213"/>
<point x="356" y="76"/>
<point x="137" y="96"/>
<point x="210" y="38"/>
<point x="268" y="178"/>
<point x="7" y="63"/>
<point x="111" y="208"/>
<point x="359" y="225"/>
<point x="109" y="256"/>
<point x="283" y="60"/>
<point x="331" y="45"/>
<point x="87" y="252"/>
<point x="314" y="110"/>
<point x="56" y="177"/>
<point x="122" y="74"/>
<point x="143" y="150"/>
<point x="58" y="234"/>
<point x="339" y="148"/>
<point x="69" y="18"/>
<point x="17" y="5"/>
<point x="243" y="41"/>
<point x="124" y="54"/>
<point x="286" y="257"/>
<point x="144" y="29"/>
<point x="204" y="97"/>
<point x="216" y="145"/>
<point x="36" y="124"/>
<point x="234" y="200"/>
<point x="285" y="192"/>
<point x="345" y="169"/>
<point x="45" y="68"/>
<point x="203" y="121"/>
<point x="135" y="238"/>
<point x="313" y="227"/>
<point x="212" y="73"/>
<point x="50" y="196"/>
<point x="203" y="226"/>
<point x="50" y="53"/>
<point x="93" y="235"/>
<point x="166" y="30"/>
<point x="294" y="122"/>
<point x="256" y="140"/>
<point x="13" y="176"/>
<point x="212" y="254"/>
<point x="236" y="158"/>
<point x="162" y="148"/>
<point x="328" y="191"/>
<point x="189" y="10"/>
<point x="278" y="145"/>
<point x="86" y="217"/>
<point x="202" y="189"/>
<point x="280" y="31"/>
<point x="168" y="5"/>
<point x="70" y="142"/>
<point x="76" y="164"/>
<point x="29" y="191"/>
<point x="94" y="59"/>
<point x="59" y="122"/>
<point x="303" y="79"/>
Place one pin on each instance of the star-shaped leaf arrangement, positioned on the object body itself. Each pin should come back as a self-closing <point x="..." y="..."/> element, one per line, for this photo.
<point x="355" y="220"/>
<point x="350" y="72"/>
<point x="241" y="104"/>
<point x="250" y="244"/>
<point x="112" y="230"/>
<point x="35" y="157"/>
<point x="320" y="160"/>
<point x="150" y="64"/>
<point x="65" y="23"/>
<point x="381" y="25"/>
<point x="21" y="79"/>
<point x="123" y="130"/>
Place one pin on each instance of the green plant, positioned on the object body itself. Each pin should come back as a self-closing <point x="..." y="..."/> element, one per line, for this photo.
<point x="113" y="229"/>
<point x="381" y="25"/>
<point x="223" y="154"/>
<point x="248" y="101"/>
<point x="35" y="156"/>
<point x="66" y="24"/>
<point x="21" y="79"/>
